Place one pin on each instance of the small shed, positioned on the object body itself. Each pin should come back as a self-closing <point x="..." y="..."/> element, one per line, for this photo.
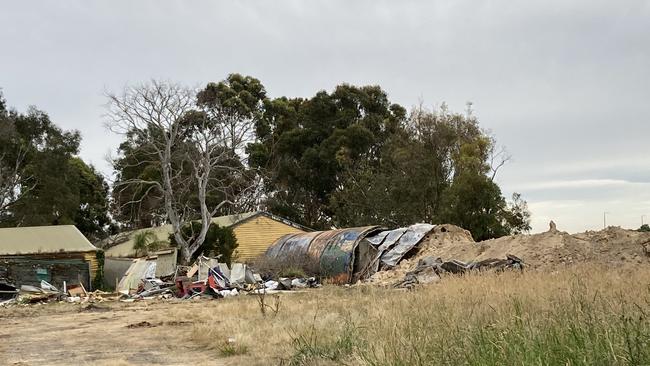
<point x="50" y="253"/>
<point x="255" y="232"/>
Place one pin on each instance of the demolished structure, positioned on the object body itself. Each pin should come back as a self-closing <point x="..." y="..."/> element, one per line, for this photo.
<point x="357" y="254"/>
<point x="54" y="254"/>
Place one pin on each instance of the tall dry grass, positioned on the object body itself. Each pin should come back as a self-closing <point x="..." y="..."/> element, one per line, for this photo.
<point x="583" y="315"/>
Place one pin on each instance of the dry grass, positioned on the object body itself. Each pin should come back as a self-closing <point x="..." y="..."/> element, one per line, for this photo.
<point x="582" y="315"/>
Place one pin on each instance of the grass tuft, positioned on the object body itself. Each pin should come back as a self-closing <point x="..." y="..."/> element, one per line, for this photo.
<point x="312" y="346"/>
<point x="228" y="349"/>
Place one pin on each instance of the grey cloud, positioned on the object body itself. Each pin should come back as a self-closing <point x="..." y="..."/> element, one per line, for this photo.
<point x="563" y="84"/>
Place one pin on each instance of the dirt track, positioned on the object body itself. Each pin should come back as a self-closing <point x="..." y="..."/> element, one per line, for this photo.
<point x="105" y="334"/>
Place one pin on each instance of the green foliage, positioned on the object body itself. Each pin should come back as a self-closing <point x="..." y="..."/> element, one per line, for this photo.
<point x="474" y="202"/>
<point x="98" y="281"/>
<point x="228" y="349"/>
<point x="54" y="187"/>
<point x="433" y="168"/>
<point x="644" y="228"/>
<point x="304" y="143"/>
<point x="219" y="241"/>
<point x="345" y="158"/>
<point x="230" y="107"/>
<point x="146" y="242"/>
<point x="296" y="272"/>
<point x="136" y="205"/>
<point x="238" y="96"/>
<point x="351" y="158"/>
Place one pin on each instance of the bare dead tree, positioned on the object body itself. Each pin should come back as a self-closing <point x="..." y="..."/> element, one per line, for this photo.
<point x="153" y="112"/>
<point x="197" y="153"/>
<point x="498" y="156"/>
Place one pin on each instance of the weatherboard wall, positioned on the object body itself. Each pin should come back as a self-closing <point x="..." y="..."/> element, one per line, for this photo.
<point x="256" y="234"/>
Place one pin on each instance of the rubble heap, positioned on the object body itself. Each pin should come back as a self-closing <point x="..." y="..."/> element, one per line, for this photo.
<point x="547" y="250"/>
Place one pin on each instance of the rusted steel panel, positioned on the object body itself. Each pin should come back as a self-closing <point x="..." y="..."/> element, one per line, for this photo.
<point x="275" y="249"/>
<point x="391" y="238"/>
<point x="332" y="251"/>
<point x="337" y="258"/>
<point x="296" y="246"/>
<point x="320" y="242"/>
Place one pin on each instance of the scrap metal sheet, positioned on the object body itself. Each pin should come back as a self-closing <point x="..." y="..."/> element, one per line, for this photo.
<point x="407" y="241"/>
<point x="332" y="250"/>
<point x="139" y="270"/>
<point x="378" y="238"/>
<point x="293" y="246"/>
<point x="205" y="264"/>
<point x="390" y="239"/>
<point x="320" y="243"/>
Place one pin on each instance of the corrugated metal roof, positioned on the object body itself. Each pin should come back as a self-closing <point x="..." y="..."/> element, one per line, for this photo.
<point x="43" y="239"/>
<point x="331" y="250"/>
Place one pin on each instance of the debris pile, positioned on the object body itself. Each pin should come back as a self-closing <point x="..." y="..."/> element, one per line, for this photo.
<point x="546" y="251"/>
<point x="374" y="254"/>
<point x="27" y="294"/>
<point x="421" y="263"/>
<point x="429" y="269"/>
<point x="206" y="278"/>
<point x="7" y="293"/>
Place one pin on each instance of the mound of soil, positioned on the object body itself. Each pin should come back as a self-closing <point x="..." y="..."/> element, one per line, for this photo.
<point x="548" y="250"/>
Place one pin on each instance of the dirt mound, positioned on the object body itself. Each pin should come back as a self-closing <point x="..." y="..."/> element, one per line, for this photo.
<point x="441" y="237"/>
<point x="548" y="250"/>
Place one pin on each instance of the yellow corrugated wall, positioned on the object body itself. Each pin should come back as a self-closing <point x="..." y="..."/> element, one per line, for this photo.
<point x="257" y="234"/>
<point x="94" y="265"/>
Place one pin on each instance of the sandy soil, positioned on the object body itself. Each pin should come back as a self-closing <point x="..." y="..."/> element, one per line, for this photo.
<point x="550" y="250"/>
<point x="100" y="334"/>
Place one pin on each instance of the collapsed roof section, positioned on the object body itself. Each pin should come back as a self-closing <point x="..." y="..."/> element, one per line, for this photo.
<point x="347" y="255"/>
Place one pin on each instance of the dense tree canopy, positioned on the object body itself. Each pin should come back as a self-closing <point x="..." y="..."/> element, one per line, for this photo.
<point x="305" y="144"/>
<point x="45" y="183"/>
<point x="345" y="158"/>
<point x="352" y="158"/>
<point x="348" y="157"/>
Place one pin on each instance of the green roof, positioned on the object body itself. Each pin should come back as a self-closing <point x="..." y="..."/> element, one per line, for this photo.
<point x="125" y="240"/>
<point x="43" y="239"/>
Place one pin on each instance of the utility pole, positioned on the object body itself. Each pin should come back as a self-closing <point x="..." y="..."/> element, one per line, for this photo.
<point x="642" y="216"/>
<point x="605" y="219"/>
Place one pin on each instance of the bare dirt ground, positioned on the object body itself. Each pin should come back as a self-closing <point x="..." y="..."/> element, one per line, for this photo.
<point x="102" y="334"/>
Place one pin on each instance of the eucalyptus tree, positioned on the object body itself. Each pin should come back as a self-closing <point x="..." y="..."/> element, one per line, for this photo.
<point x="194" y="144"/>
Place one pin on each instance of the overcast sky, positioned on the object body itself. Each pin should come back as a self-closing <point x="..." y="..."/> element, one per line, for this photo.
<point x="564" y="85"/>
